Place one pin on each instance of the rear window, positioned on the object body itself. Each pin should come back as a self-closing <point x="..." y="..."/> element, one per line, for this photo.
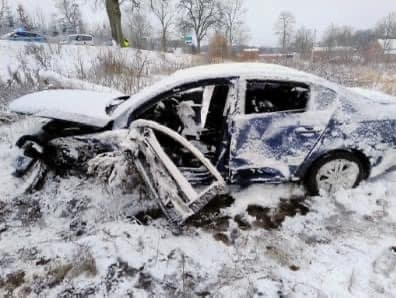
<point x="274" y="96"/>
<point x="86" y="38"/>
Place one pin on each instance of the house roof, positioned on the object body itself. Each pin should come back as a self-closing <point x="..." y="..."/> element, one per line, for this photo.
<point x="389" y="45"/>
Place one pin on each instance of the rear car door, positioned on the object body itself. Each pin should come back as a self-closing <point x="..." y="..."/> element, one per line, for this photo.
<point x="276" y="130"/>
<point x="173" y="186"/>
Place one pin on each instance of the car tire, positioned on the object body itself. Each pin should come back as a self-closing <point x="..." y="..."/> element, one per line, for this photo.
<point x="334" y="171"/>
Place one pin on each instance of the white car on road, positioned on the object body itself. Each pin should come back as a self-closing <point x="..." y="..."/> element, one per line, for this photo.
<point x="80" y="39"/>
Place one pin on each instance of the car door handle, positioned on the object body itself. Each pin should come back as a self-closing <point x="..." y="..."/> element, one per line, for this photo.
<point x="306" y="130"/>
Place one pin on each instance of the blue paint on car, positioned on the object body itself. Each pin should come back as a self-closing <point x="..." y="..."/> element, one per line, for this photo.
<point x="26" y="36"/>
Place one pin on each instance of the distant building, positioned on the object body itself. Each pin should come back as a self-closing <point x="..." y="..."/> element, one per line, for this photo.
<point x="276" y="57"/>
<point x="388" y="48"/>
<point x="249" y="54"/>
<point x="337" y="54"/>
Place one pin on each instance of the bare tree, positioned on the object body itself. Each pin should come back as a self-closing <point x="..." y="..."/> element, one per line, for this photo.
<point x="114" y="13"/>
<point x="163" y="10"/>
<point x="284" y="28"/>
<point x="23" y="19"/>
<point x="366" y="43"/>
<point x="217" y="48"/>
<point x="40" y="20"/>
<point x="113" y="10"/>
<point x="304" y="41"/>
<point x="70" y="16"/>
<point x="386" y="29"/>
<point x="338" y="44"/>
<point x="233" y="13"/>
<point x="140" y="28"/>
<point x="199" y="16"/>
<point x="329" y="39"/>
<point x="6" y="18"/>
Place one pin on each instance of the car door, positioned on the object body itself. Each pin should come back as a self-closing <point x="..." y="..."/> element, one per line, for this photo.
<point x="277" y="128"/>
<point x="169" y="184"/>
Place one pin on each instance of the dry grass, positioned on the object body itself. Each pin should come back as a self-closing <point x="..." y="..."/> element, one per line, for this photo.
<point x="130" y="71"/>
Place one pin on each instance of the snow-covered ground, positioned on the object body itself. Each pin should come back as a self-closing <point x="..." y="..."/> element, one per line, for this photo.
<point x="21" y="66"/>
<point x="79" y="236"/>
<point x="68" y="58"/>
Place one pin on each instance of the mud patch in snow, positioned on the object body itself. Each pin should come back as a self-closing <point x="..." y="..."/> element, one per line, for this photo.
<point x="272" y="218"/>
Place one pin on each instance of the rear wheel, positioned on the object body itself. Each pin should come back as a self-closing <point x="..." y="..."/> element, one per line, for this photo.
<point x="339" y="170"/>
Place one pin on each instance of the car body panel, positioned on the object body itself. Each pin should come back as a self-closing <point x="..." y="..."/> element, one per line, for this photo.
<point x="80" y="106"/>
<point x="274" y="147"/>
<point x="373" y="140"/>
<point x="24" y="36"/>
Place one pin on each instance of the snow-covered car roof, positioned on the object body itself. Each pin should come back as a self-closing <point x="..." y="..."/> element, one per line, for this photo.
<point x="247" y="70"/>
<point x="216" y="71"/>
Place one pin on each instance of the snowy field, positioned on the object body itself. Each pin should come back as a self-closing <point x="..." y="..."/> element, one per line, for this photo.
<point x="79" y="236"/>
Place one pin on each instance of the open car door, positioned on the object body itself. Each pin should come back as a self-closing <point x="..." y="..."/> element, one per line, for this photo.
<point x="182" y="186"/>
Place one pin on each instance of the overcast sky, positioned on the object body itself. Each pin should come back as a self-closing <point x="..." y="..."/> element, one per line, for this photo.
<point x="315" y="14"/>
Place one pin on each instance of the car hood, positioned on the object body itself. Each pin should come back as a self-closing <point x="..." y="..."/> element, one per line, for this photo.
<point x="79" y="106"/>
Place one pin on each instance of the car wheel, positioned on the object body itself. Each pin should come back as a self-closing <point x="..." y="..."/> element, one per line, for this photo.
<point x="335" y="171"/>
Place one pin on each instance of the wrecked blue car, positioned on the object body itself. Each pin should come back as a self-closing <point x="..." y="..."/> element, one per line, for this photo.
<point x="205" y="127"/>
<point x="22" y="35"/>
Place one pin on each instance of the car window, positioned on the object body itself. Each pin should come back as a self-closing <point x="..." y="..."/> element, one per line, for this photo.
<point x="86" y="38"/>
<point x="195" y="107"/>
<point x="275" y="96"/>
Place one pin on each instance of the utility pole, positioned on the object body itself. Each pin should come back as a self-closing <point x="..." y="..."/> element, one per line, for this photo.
<point x="313" y="47"/>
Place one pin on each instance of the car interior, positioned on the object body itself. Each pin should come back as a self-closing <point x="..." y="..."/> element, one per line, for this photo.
<point x="274" y="96"/>
<point x="199" y="114"/>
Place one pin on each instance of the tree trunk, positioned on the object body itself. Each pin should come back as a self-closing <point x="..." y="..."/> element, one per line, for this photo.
<point x="114" y="14"/>
<point x="163" y="41"/>
<point x="198" y="46"/>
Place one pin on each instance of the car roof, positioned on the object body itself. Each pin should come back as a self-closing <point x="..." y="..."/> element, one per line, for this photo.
<point x="247" y="70"/>
<point x="80" y="35"/>
<point x="19" y="31"/>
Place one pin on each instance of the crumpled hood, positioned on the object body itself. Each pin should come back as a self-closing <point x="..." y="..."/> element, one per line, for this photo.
<point x="80" y="106"/>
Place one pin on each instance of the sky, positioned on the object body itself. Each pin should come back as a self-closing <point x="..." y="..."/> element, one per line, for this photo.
<point x="315" y="14"/>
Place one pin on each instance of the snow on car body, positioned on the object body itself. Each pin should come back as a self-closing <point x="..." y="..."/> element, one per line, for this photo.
<point x="257" y="123"/>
